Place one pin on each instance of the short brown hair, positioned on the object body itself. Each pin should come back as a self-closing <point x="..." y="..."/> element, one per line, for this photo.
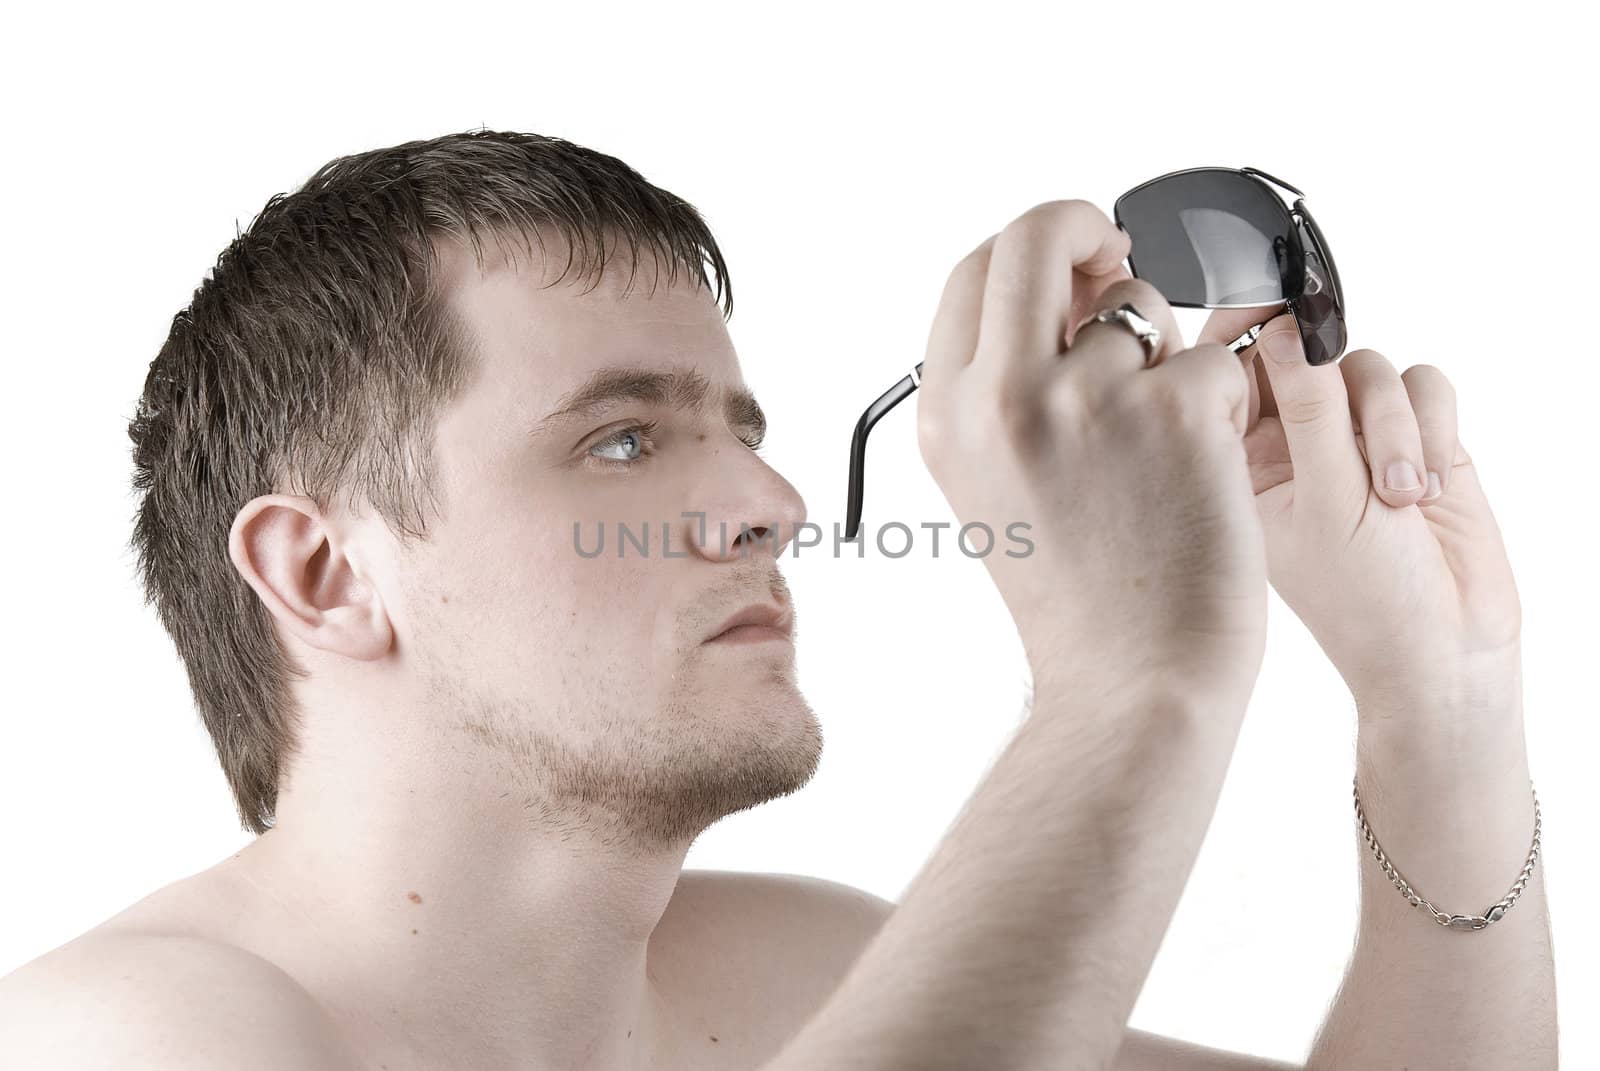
<point x="315" y="358"/>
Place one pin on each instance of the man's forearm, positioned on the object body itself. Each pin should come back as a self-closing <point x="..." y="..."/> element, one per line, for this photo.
<point x="1453" y="812"/>
<point x="1025" y="940"/>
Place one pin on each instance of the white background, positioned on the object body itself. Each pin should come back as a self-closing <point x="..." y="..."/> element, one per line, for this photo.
<point x="845" y="158"/>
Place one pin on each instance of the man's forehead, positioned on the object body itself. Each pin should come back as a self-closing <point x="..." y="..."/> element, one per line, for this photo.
<point x="571" y="349"/>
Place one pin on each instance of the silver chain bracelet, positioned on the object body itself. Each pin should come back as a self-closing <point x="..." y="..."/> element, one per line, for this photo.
<point x="1456" y="922"/>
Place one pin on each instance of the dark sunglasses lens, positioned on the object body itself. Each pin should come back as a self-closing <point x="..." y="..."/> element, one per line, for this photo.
<point x="1211" y="238"/>
<point x="1319" y="309"/>
<point x="1321" y="328"/>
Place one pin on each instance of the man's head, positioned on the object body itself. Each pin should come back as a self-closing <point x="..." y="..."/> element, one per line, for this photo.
<point x="363" y="524"/>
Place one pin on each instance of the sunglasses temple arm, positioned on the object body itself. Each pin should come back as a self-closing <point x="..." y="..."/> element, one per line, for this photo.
<point x="1246" y="340"/>
<point x="858" y="445"/>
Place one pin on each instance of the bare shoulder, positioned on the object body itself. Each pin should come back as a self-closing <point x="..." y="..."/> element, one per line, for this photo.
<point x="816" y="899"/>
<point x="769" y="948"/>
<point x="827" y="920"/>
<point x="143" y="1001"/>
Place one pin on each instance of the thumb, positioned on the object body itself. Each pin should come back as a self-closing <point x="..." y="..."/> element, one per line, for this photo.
<point x="1315" y="412"/>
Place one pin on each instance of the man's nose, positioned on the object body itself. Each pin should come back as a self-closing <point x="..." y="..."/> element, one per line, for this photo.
<point x="753" y="511"/>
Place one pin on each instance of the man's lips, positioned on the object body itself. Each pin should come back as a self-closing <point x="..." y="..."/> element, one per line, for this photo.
<point x="762" y="616"/>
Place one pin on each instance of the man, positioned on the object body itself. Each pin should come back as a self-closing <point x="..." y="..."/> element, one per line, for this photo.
<point x="378" y="452"/>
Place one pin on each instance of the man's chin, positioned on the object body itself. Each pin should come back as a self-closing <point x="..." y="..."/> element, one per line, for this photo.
<point x="761" y="746"/>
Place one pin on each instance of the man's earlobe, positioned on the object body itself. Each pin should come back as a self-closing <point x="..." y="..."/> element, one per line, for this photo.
<point x="284" y="549"/>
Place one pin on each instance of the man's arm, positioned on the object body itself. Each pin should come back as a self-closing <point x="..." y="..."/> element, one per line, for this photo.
<point x="1026" y="939"/>
<point x="142" y="1003"/>
<point x="1456" y="819"/>
<point x="849" y="918"/>
<point x="1453" y="813"/>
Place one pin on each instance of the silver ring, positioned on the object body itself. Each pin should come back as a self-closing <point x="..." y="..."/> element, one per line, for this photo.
<point x="1147" y="333"/>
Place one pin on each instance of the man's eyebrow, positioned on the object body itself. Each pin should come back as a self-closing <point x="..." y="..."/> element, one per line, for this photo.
<point x="684" y="387"/>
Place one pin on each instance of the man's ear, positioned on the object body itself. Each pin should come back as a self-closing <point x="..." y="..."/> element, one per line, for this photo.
<point x="285" y="550"/>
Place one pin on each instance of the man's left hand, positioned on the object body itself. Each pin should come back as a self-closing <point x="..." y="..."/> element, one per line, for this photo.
<point x="1407" y="590"/>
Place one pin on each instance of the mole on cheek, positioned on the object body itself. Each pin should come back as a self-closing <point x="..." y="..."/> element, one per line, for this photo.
<point x="413" y="897"/>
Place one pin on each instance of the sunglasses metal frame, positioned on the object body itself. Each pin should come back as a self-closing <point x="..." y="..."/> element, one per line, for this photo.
<point x="1300" y="220"/>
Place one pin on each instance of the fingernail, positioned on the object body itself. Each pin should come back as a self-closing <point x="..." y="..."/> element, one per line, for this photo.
<point x="1279" y="347"/>
<point x="1402" y="476"/>
<point x="1434" y="489"/>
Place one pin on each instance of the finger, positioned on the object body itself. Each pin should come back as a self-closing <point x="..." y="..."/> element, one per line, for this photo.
<point x="1380" y="404"/>
<point x="953" y="338"/>
<point x="1102" y="349"/>
<point x="1028" y="298"/>
<point x="1433" y="400"/>
<point x="1215" y="371"/>
<point x="951" y="342"/>
<point x="1315" y="412"/>
<point x="1088" y="292"/>
<point x="1225" y="325"/>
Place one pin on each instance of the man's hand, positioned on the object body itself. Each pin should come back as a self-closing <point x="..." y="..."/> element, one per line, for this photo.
<point x="1025" y="939"/>
<point x="1147" y="554"/>
<point x="1411" y="596"/>
<point x="1408" y="591"/>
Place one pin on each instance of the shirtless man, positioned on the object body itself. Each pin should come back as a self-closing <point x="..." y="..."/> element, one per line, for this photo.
<point x="477" y="756"/>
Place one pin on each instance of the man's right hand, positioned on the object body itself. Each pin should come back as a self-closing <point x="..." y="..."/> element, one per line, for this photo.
<point x="1027" y="936"/>
<point x="1148" y="555"/>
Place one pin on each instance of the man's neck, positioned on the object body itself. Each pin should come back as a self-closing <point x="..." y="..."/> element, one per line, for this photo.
<point x="467" y="940"/>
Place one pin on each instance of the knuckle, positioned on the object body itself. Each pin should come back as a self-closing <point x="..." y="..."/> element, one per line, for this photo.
<point x="1221" y="361"/>
<point x="1138" y="292"/>
<point x="1149" y="302"/>
<point x="1008" y="410"/>
<point x="1389" y="420"/>
<point x="1051" y="216"/>
<point x="1063" y="209"/>
<point x="1004" y="398"/>
<point x="930" y="433"/>
<point x="1064" y="374"/>
<point x="1309" y="413"/>
<point x="1067" y="397"/>
<point x="1215" y="369"/>
<point x="1168" y="394"/>
<point x="974" y="265"/>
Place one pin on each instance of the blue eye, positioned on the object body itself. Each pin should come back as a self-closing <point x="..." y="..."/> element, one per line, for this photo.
<point x="637" y="434"/>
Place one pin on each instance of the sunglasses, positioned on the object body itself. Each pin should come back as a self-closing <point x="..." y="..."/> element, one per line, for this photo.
<point x="1207" y="238"/>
